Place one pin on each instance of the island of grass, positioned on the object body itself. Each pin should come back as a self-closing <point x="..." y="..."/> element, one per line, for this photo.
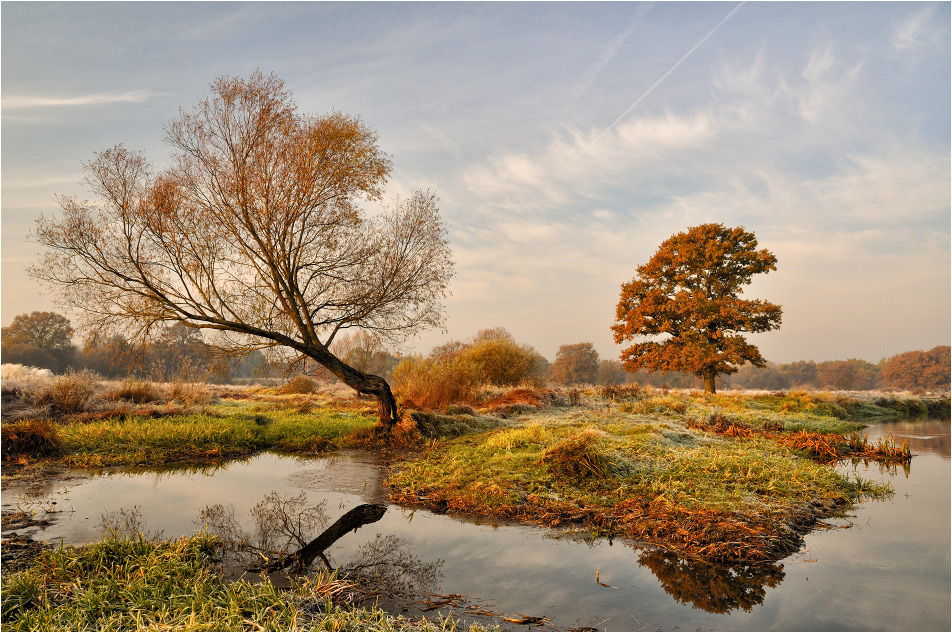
<point x="730" y="479"/>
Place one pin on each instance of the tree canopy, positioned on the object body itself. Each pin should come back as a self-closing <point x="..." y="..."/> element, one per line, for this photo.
<point x="686" y="299"/>
<point x="255" y="230"/>
<point x="40" y="339"/>
<point x="919" y="370"/>
<point x="575" y="364"/>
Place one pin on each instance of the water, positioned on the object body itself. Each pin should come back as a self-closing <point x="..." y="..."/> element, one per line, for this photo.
<point x="885" y="567"/>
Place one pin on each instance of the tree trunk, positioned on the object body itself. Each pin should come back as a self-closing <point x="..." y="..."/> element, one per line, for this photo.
<point x="369" y="384"/>
<point x="709" y="382"/>
<point x="351" y="521"/>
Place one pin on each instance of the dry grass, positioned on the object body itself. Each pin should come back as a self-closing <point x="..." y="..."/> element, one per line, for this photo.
<point x="137" y="391"/>
<point x="35" y="438"/>
<point x="299" y="384"/>
<point x="73" y="392"/>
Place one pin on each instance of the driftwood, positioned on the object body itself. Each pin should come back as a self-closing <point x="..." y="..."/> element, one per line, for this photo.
<point x="351" y="521"/>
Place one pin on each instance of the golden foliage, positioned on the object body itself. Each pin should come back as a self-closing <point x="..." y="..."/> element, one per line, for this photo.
<point x="689" y="292"/>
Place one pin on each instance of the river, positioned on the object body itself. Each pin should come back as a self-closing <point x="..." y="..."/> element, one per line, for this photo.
<point x="884" y="567"/>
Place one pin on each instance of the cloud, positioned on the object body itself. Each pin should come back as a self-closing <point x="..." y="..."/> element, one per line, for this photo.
<point x="919" y="29"/>
<point x="13" y="102"/>
<point x="826" y="87"/>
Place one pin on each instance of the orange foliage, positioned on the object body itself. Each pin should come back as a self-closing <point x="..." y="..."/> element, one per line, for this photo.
<point x="919" y="370"/>
<point x="689" y="292"/>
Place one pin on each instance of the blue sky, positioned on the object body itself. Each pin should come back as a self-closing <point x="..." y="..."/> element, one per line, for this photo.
<point x="566" y="141"/>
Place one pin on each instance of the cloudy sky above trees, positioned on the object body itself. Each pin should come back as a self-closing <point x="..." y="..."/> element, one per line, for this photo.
<point x="565" y="141"/>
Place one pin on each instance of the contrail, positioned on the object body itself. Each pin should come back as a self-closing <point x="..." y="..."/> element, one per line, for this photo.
<point x="664" y="76"/>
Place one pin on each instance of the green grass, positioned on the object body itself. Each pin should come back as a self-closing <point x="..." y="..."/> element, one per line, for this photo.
<point x="639" y="469"/>
<point x="122" y="584"/>
<point x="228" y="429"/>
<point x="605" y="462"/>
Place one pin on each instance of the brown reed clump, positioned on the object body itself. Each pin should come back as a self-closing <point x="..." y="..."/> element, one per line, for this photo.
<point x="297" y="385"/>
<point x="137" y="391"/>
<point x="34" y="438"/>
<point x="577" y="456"/>
<point x="73" y="392"/>
<point x="621" y="392"/>
<point x="535" y="397"/>
<point x="722" y="425"/>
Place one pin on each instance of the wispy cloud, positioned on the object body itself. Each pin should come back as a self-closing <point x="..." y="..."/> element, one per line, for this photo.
<point x="31" y="101"/>
<point x="920" y="28"/>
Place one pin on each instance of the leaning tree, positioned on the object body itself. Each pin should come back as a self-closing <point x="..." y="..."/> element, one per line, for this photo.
<point x="256" y="230"/>
<point x="686" y="301"/>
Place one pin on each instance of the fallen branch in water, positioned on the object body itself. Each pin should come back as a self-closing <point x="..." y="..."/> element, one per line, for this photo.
<point x="351" y="521"/>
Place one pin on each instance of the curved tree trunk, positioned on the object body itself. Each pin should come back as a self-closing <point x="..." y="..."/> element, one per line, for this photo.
<point x="351" y="521"/>
<point x="369" y="384"/>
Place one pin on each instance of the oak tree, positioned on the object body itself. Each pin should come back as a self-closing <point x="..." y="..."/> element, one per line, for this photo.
<point x="686" y="301"/>
<point x="40" y="339"/>
<point x="257" y="231"/>
<point x="575" y="364"/>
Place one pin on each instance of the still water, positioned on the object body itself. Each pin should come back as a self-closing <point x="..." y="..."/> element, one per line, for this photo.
<point x="885" y="567"/>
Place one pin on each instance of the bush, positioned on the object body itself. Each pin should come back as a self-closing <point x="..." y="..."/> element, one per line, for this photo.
<point x="190" y="393"/>
<point x="501" y="362"/>
<point x="73" y="392"/>
<point x="298" y="384"/>
<point x="25" y="379"/>
<point x="138" y="391"/>
<point x="434" y="383"/>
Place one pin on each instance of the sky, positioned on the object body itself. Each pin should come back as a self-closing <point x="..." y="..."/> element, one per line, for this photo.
<point x="565" y="141"/>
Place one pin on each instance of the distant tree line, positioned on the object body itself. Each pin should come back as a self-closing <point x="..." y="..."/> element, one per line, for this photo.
<point x="914" y="371"/>
<point x="492" y="356"/>
<point x="45" y="339"/>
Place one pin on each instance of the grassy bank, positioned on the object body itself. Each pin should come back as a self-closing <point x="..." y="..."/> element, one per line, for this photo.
<point x="735" y="477"/>
<point x="727" y="478"/>
<point x="122" y="584"/>
<point x="229" y="428"/>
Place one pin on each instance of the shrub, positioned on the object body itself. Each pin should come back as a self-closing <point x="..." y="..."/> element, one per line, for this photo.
<point x="298" y="384"/>
<point x="28" y="381"/>
<point x="138" y="391"/>
<point x="501" y="362"/>
<point x="72" y="392"/>
<point x="190" y="393"/>
<point x="37" y="438"/>
<point x="433" y="383"/>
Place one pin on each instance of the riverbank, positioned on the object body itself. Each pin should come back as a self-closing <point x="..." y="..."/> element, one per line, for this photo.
<point x="133" y="584"/>
<point x="727" y="478"/>
<point x="710" y="477"/>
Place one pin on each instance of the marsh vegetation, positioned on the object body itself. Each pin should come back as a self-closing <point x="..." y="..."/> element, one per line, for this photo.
<point x="728" y="479"/>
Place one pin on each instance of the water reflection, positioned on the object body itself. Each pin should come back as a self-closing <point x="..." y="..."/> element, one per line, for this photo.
<point x="926" y="435"/>
<point x="894" y="552"/>
<point x="284" y="525"/>
<point x="712" y="588"/>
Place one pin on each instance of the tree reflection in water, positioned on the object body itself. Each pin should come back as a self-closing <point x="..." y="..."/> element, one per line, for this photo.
<point x="710" y="587"/>
<point x="285" y="524"/>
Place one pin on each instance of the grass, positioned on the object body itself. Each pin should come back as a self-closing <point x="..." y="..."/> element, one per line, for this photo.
<point x="132" y="584"/>
<point x="229" y="430"/>
<point x="729" y="478"/>
<point x="647" y="469"/>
